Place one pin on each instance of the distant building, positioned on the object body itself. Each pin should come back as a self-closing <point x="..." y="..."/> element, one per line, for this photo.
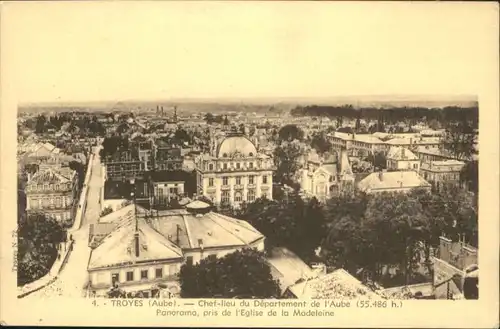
<point x="323" y="178"/>
<point x="357" y="145"/>
<point x="439" y="173"/>
<point x="395" y="181"/>
<point x="139" y="251"/>
<point x="234" y="172"/>
<point x="53" y="193"/>
<point x="400" y="158"/>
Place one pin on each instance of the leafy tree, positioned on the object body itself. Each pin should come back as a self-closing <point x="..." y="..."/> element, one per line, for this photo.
<point x="38" y="239"/>
<point x="242" y="274"/>
<point x="290" y="133"/>
<point x="182" y="136"/>
<point x="320" y="143"/>
<point x="286" y="159"/>
<point x="460" y="139"/>
<point x="378" y="160"/>
<point x="106" y="211"/>
<point x="291" y="222"/>
<point x="469" y="176"/>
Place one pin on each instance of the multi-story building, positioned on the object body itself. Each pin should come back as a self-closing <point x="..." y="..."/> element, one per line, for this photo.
<point x="139" y="253"/>
<point x="400" y="158"/>
<point x="392" y="181"/>
<point x="234" y="172"/>
<point x="52" y="192"/>
<point x="442" y="172"/>
<point x="357" y="145"/>
<point x="124" y="164"/>
<point x="168" y="185"/>
<point x="167" y="157"/>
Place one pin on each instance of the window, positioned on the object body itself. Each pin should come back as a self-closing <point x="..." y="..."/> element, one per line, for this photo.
<point x="225" y="166"/>
<point x="251" y="195"/>
<point x="251" y="180"/>
<point x="224" y="155"/>
<point x="210" y="182"/>
<point x="189" y="260"/>
<point x="211" y="167"/>
<point x="225" y="180"/>
<point x="415" y="166"/>
<point x="238" y="197"/>
<point x="144" y="274"/>
<point x="225" y="196"/>
<point x="250" y="154"/>
<point x="159" y="273"/>
<point x="160" y="192"/>
<point x="264" y="179"/>
<point x="173" y="190"/>
<point x="212" y="257"/>
<point x="238" y="180"/>
<point x="130" y="276"/>
<point x="237" y="165"/>
<point x="250" y="165"/>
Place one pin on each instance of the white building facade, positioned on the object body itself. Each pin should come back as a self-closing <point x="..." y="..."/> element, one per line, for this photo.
<point x="234" y="172"/>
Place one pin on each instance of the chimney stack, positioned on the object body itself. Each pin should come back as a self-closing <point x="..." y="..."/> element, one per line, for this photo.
<point x="136" y="238"/>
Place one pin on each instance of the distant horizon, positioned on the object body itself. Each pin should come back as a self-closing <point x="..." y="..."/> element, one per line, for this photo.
<point x="361" y="100"/>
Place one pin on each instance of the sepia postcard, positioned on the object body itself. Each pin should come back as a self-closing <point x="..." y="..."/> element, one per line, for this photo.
<point x="249" y="164"/>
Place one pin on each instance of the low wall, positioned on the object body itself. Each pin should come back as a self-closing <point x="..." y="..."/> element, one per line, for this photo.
<point x="59" y="263"/>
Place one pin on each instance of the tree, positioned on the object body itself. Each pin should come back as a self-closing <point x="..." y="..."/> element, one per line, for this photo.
<point x="286" y="157"/>
<point x="378" y="160"/>
<point x="460" y="139"/>
<point x="320" y="143"/>
<point x="106" y="211"/>
<point x="469" y="176"/>
<point x="291" y="222"/>
<point x="182" y="136"/>
<point x="290" y="133"/>
<point x="38" y="239"/>
<point x="241" y="274"/>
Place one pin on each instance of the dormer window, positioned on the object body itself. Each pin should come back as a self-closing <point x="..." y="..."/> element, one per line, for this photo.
<point x="237" y="165"/>
<point x="224" y="155"/>
<point x="250" y="154"/>
<point x="250" y="165"/>
<point x="211" y="166"/>
<point x="225" y="166"/>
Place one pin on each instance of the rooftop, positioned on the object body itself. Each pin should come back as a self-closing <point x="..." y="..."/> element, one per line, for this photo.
<point x="392" y="180"/>
<point x="338" y="284"/>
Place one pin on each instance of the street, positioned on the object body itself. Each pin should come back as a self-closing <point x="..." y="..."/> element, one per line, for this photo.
<point x="73" y="276"/>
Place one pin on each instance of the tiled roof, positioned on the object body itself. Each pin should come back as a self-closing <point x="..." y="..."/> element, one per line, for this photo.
<point x="338" y="284"/>
<point x="392" y="180"/>
<point x="118" y="248"/>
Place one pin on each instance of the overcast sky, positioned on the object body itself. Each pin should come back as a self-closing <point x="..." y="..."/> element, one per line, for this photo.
<point x="77" y="51"/>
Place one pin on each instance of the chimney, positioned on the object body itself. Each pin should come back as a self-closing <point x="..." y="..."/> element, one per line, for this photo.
<point x="136" y="238"/>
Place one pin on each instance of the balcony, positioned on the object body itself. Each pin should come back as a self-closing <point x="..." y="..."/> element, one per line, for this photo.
<point x="239" y="187"/>
<point x="225" y="187"/>
<point x="253" y="185"/>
